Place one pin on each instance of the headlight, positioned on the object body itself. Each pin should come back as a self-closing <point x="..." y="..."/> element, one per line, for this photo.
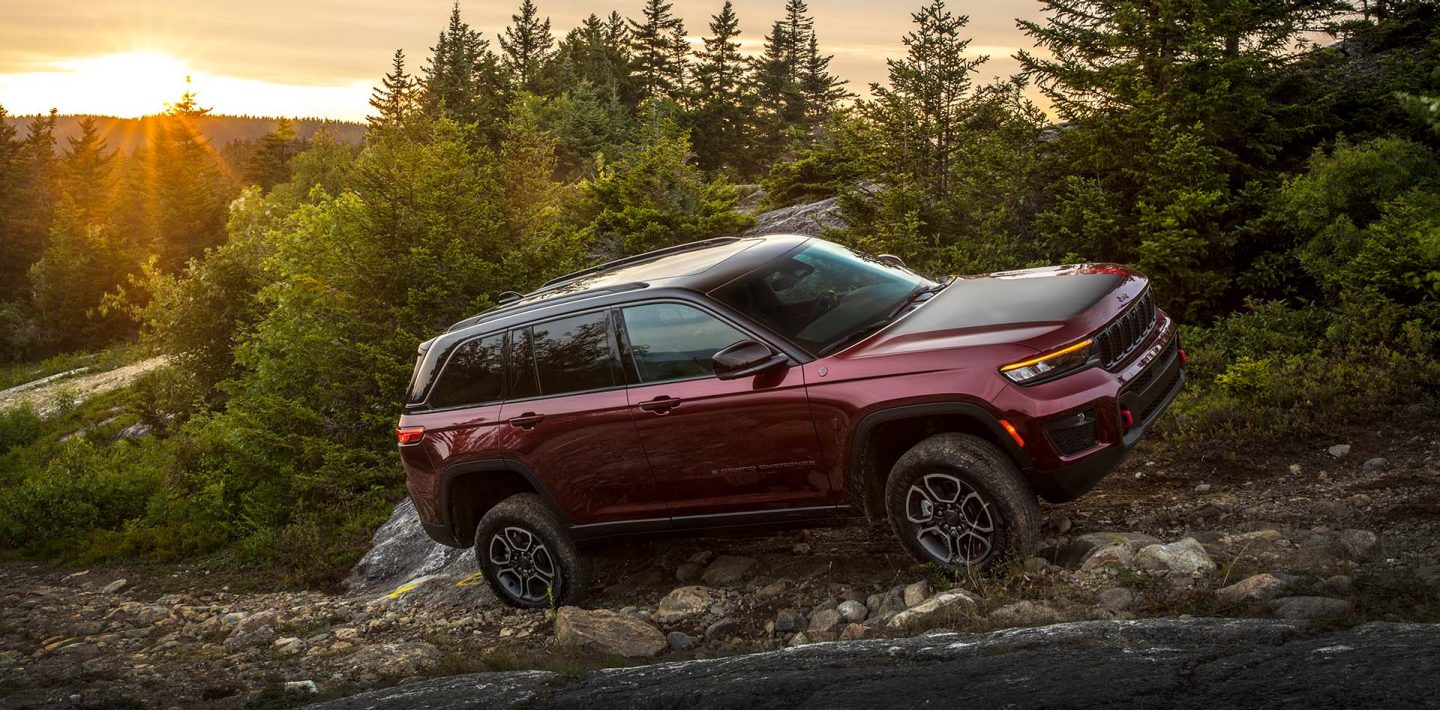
<point x="1051" y="364"/>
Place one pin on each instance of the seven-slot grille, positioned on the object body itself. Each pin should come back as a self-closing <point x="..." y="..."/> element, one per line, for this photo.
<point x="1117" y="340"/>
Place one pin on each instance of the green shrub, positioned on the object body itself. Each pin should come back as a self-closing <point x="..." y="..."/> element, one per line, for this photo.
<point x="19" y="426"/>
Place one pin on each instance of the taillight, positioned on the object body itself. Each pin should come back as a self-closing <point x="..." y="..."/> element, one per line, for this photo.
<point x="410" y="435"/>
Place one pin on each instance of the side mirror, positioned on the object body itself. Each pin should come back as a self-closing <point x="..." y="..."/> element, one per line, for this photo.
<point x="745" y="358"/>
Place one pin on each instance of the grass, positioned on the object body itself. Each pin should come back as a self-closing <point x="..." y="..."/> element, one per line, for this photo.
<point x="105" y="360"/>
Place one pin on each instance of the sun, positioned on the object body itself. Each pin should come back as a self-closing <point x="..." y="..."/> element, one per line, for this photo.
<point x="128" y="84"/>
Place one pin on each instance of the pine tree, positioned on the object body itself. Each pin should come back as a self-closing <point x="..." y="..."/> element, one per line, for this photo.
<point x="723" y="101"/>
<point x="462" y="80"/>
<point x="660" y="52"/>
<point x="15" y="256"/>
<point x="525" y="48"/>
<point x="269" y="165"/>
<point x="795" y="78"/>
<point x="85" y="174"/>
<point x="395" y="97"/>
<point x="821" y="90"/>
<point x="924" y="107"/>
<point x="185" y="189"/>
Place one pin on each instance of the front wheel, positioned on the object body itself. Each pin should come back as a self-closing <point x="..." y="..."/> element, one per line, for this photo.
<point x="957" y="501"/>
<point x="526" y="557"/>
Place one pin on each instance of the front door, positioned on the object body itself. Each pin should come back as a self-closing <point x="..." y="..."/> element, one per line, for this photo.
<point x="718" y="447"/>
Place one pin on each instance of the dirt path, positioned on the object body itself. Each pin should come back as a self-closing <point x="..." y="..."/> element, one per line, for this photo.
<point x="46" y="394"/>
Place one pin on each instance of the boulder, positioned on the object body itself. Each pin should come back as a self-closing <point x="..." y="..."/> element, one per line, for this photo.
<point x="1356" y="545"/>
<point x="1075" y="551"/>
<point x="1115" y="599"/>
<point x="396" y="660"/>
<point x="941" y="607"/>
<point x="787" y="620"/>
<point x="722" y="629"/>
<point x="886" y="604"/>
<point x="727" y="569"/>
<point x="1374" y="464"/>
<point x="681" y="641"/>
<point x="916" y="593"/>
<point x="1113" y="555"/>
<point x="1255" y="588"/>
<point x="1309" y="607"/>
<point x="684" y="603"/>
<point x="1027" y="613"/>
<point x="607" y="632"/>
<point x="1186" y="556"/>
<point x="824" y="622"/>
<point x="852" y="611"/>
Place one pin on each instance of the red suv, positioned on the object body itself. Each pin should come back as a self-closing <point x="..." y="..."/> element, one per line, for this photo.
<point x="779" y="380"/>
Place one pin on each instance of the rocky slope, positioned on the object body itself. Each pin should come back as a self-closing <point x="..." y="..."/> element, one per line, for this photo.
<point x="1143" y="664"/>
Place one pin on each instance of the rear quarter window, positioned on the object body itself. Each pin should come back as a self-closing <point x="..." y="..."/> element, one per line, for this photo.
<point x="473" y="375"/>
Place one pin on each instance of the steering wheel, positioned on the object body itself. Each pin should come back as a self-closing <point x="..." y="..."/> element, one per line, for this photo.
<point x="824" y="303"/>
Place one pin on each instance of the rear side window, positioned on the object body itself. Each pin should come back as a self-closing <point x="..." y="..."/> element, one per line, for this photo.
<point x="670" y="341"/>
<point x="574" y="354"/>
<point x="473" y="375"/>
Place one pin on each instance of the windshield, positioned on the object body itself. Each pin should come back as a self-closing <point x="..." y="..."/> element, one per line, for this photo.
<point x="823" y="294"/>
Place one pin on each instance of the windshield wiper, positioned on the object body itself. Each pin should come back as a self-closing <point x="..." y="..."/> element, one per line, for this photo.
<point x="865" y="330"/>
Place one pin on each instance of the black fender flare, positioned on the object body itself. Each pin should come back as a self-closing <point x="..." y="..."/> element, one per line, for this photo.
<point x="489" y="467"/>
<point x="969" y="410"/>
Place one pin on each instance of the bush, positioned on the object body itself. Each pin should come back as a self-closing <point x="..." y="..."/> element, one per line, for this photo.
<point x="19" y="426"/>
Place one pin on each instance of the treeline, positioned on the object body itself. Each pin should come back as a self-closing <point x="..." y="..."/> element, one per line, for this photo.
<point x="1284" y="196"/>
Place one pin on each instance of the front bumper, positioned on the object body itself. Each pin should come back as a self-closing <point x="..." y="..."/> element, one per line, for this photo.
<point x="1146" y="395"/>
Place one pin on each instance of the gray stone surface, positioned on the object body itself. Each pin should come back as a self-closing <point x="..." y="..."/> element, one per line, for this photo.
<point x="810" y="219"/>
<point x="1199" y="663"/>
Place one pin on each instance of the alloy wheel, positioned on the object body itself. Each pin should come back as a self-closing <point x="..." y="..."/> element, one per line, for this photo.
<point x="950" y="519"/>
<point x="523" y="565"/>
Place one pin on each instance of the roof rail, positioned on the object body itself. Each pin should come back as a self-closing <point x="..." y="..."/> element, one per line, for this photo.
<point x="515" y="304"/>
<point x="638" y="258"/>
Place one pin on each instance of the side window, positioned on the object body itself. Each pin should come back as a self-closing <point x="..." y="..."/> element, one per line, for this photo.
<point x="472" y="376"/>
<point x="670" y="341"/>
<point x="573" y="354"/>
<point x="520" y="359"/>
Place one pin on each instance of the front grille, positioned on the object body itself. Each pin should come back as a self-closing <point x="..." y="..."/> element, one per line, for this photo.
<point x="1118" y="340"/>
<point x="1163" y="393"/>
<point x="1142" y="380"/>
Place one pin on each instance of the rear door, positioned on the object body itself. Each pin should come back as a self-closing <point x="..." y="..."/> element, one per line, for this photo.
<point x="718" y="447"/>
<point x="567" y="418"/>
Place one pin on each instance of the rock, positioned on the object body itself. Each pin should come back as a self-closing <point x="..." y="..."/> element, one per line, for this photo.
<point x="799" y="639"/>
<point x="396" y="660"/>
<point x="1115" y="599"/>
<point x="1296" y="469"/>
<point x="1255" y="588"/>
<point x="941" y="607"/>
<point x="810" y="219"/>
<point x="727" y="569"/>
<point x="773" y="590"/>
<point x="689" y="572"/>
<point x="1374" y="464"/>
<point x="255" y="628"/>
<point x="1036" y="565"/>
<point x="1338" y="584"/>
<point x="1356" y="545"/>
<point x="824" y="621"/>
<point x="801" y="548"/>
<point x="852" y="611"/>
<point x="1027" y="613"/>
<point x="787" y="621"/>
<point x="302" y="686"/>
<point x="722" y="629"/>
<point x="1075" y="551"/>
<point x="1339" y="451"/>
<point x="681" y="641"/>
<point x="401" y="552"/>
<point x="1113" y="555"/>
<point x="608" y="632"/>
<point x="684" y="603"/>
<point x="916" y="593"/>
<point x="1309" y="607"/>
<point x="1186" y="556"/>
<point x="886" y="604"/>
<point x="1202" y="488"/>
<point x="854" y="632"/>
<point x="1360" y="500"/>
<point x="116" y="586"/>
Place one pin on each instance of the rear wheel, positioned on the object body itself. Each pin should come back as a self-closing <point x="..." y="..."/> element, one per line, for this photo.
<point x="527" y="557"/>
<point x="957" y="501"/>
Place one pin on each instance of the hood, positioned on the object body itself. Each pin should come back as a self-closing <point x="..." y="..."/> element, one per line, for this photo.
<point x="1038" y="308"/>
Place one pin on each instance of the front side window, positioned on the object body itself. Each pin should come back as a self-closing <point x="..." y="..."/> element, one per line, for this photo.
<point x="472" y="376"/>
<point x="573" y="354"/>
<point x="822" y="294"/>
<point x="671" y="341"/>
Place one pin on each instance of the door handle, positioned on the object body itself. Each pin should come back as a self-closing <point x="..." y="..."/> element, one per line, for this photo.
<point x="527" y="420"/>
<point x="660" y="405"/>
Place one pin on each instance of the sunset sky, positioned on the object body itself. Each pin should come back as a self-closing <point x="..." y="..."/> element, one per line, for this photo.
<point x="320" y="57"/>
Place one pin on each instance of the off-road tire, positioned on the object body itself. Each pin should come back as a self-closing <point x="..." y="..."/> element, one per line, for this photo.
<point x="1008" y="500"/>
<point x="526" y="511"/>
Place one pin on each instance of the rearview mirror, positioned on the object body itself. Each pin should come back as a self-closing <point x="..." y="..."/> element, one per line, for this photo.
<point x="745" y="358"/>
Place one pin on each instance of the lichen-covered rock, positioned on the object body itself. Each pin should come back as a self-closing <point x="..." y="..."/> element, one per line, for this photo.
<point x="607" y="632"/>
<point x="1186" y="556"/>
<point x="1255" y="588"/>
<point x="684" y="603"/>
<point x="941" y="607"/>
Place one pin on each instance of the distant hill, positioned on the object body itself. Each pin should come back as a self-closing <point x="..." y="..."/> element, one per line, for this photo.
<point x="127" y="134"/>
